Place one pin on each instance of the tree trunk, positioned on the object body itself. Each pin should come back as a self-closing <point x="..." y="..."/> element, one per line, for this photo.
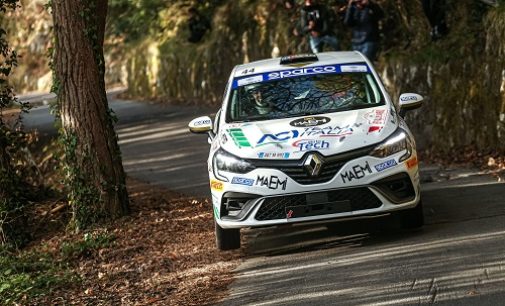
<point x="94" y="170"/>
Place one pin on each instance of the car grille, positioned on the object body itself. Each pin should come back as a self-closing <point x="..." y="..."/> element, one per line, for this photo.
<point x="296" y="170"/>
<point x="275" y="207"/>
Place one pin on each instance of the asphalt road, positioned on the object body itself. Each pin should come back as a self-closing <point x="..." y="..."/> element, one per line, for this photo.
<point x="458" y="258"/>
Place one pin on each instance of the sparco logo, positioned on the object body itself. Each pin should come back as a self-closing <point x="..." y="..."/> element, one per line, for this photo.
<point x="309" y="121"/>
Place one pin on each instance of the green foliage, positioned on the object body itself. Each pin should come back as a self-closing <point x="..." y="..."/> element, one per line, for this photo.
<point x="13" y="187"/>
<point x="83" y="248"/>
<point x="29" y="274"/>
<point x="134" y="19"/>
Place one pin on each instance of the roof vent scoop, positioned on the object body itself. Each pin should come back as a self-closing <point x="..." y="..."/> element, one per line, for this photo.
<point x="298" y="58"/>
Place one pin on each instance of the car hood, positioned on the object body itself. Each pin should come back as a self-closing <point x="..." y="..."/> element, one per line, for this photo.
<point x="291" y="138"/>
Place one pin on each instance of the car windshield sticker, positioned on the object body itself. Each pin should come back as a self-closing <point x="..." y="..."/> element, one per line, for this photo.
<point x="289" y="73"/>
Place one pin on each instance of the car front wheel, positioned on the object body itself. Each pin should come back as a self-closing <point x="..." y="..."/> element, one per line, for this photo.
<point x="227" y="239"/>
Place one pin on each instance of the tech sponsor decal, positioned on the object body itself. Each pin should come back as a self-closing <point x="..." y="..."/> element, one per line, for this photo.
<point x="242" y="181"/>
<point x="327" y="131"/>
<point x="239" y="138"/>
<point x="216" y="185"/>
<point x="272" y="182"/>
<point x="357" y="172"/>
<point x="305" y="145"/>
<point x="412" y="162"/>
<point x="273" y="155"/>
<point x="385" y="165"/>
<point x="310" y="121"/>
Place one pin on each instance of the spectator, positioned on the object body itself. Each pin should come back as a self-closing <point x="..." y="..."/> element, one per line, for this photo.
<point x="435" y="12"/>
<point x="198" y="25"/>
<point x="363" y="16"/>
<point x="317" y="24"/>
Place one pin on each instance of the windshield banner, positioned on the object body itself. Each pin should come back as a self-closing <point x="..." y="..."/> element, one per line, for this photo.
<point x="289" y="73"/>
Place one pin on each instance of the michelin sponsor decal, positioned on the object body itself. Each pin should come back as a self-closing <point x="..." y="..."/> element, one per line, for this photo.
<point x="289" y="73"/>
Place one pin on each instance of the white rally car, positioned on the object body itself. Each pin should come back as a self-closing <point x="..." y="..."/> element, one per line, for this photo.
<point x="309" y="138"/>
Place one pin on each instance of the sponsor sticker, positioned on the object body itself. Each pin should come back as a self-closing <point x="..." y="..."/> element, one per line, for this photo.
<point x="272" y="182"/>
<point x="250" y="80"/>
<point x="242" y="181"/>
<point x="327" y="131"/>
<point x="216" y="185"/>
<point x="288" y="73"/>
<point x="385" y="165"/>
<point x="354" y="68"/>
<point x="239" y="138"/>
<point x="273" y="155"/>
<point x="309" y="121"/>
<point x="357" y="172"/>
<point x="376" y="117"/>
<point x="412" y="162"/>
<point x="202" y="122"/>
<point x="304" y="145"/>
<point x="408" y="98"/>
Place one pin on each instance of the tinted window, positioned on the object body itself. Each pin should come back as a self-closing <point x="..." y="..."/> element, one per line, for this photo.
<point x="303" y="95"/>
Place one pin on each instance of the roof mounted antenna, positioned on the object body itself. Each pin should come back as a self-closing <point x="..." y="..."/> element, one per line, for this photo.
<point x="298" y="58"/>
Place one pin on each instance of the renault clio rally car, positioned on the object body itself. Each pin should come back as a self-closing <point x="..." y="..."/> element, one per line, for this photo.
<point x="309" y="138"/>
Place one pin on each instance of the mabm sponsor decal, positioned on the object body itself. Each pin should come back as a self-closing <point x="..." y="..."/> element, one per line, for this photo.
<point x="242" y="181"/>
<point x="357" y="172"/>
<point x="385" y="165"/>
<point x="272" y="182"/>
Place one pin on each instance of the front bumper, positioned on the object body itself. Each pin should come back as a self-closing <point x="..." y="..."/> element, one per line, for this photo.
<point x="266" y="197"/>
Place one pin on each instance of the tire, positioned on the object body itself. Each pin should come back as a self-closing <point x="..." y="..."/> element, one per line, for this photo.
<point x="412" y="218"/>
<point x="227" y="239"/>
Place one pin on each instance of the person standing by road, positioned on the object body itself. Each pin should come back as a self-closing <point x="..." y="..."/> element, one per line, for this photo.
<point x="363" y="16"/>
<point x="316" y="23"/>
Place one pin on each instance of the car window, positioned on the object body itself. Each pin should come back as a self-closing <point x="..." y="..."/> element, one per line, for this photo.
<point x="303" y="95"/>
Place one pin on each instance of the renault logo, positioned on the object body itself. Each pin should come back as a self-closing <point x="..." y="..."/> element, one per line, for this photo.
<point x="313" y="164"/>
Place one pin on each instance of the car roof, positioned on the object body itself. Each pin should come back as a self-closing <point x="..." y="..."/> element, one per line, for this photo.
<point x="325" y="58"/>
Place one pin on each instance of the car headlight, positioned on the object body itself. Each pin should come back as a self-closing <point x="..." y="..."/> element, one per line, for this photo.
<point x="224" y="161"/>
<point x="397" y="142"/>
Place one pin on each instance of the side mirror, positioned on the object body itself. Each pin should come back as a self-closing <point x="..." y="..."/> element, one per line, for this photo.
<point x="200" y="125"/>
<point x="409" y="101"/>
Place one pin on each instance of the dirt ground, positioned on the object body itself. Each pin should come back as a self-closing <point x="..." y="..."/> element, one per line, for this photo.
<point x="162" y="254"/>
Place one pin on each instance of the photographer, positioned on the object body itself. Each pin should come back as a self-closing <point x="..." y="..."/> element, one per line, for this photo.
<point x="363" y="16"/>
<point x="316" y="23"/>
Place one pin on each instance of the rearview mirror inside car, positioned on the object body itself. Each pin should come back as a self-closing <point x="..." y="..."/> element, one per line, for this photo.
<point x="409" y="101"/>
<point x="200" y="125"/>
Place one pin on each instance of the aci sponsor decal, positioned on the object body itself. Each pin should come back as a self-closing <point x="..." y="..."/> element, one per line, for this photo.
<point x="304" y="145"/>
<point x="310" y="121"/>
<point x="385" y="165"/>
<point x="216" y="185"/>
<point x="239" y="138"/>
<point x="273" y="155"/>
<point x="357" y="172"/>
<point x="412" y="162"/>
<point x="272" y="182"/>
<point x="327" y="131"/>
<point x="242" y="181"/>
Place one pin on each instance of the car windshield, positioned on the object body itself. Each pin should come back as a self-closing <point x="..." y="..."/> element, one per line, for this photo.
<point x="303" y="95"/>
